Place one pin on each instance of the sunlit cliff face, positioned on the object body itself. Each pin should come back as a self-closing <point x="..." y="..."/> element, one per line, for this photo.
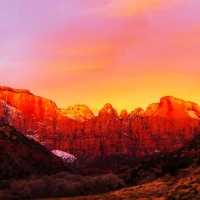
<point x="163" y="126"/>
<point x="128" y="53"/>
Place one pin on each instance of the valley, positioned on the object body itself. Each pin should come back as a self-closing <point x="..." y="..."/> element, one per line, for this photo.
<point x="146" y="153"/>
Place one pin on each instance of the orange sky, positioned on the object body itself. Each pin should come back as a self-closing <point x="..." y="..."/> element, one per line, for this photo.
<point x="125" y="52"/>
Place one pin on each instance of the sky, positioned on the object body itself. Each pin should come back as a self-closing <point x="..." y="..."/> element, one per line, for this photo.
<point x="129" y="53"/>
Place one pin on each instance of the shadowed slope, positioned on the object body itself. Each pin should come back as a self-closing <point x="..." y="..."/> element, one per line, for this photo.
<point x="21" y="156"/>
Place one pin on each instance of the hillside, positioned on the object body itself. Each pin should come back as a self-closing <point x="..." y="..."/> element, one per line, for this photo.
<point x="28" y="171"/>
<point x="168" y="163"/>
<point x="186" y="186"/>
<point x="170" y="176"/>
<point x="21" y="156"/>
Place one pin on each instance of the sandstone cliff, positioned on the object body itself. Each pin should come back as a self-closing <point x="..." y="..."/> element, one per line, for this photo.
<point x="163" y="126"/>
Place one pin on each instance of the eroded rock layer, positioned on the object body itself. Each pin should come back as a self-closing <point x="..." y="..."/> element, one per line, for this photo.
<point x="163" y="126"/>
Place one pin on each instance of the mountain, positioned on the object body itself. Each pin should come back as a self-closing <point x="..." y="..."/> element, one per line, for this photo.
<point x="21" y="156"/>
<point x="162" y="127"/>
<point x="29" y="171"/>
<point x="174" y="175"/>
<point x="176" y="163"/>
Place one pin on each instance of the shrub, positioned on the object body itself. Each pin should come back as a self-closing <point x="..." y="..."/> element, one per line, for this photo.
<point x="184" y="162"/>
<point x="61" y="185"/>
<point x="170" y="167"/>
<point x="198" y="161"/>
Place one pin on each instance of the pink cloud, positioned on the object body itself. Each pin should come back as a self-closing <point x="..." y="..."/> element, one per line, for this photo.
<point x="126" y="8"/>
<point x="128" y="53"/>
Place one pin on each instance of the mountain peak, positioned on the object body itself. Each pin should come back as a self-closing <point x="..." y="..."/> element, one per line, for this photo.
<point x="172" y="103"/>
<point x="168" y="124"/>
<point x="138" y="112"/>
<point x="5" y="88"/>
<point x="168" y="97"/>
<point x="151" y="109"/>
<point x="123" y="113"/>
<point x="81" y="107"/>
<point x="108" y="108"/>
<point x="79" y="113"/>
<point x="171" y="99"/>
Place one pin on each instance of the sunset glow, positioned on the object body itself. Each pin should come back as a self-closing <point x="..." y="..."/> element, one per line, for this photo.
<point x="129" y="53"/>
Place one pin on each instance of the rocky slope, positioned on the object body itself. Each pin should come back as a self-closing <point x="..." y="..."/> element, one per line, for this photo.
<point x="162" y="127"/>
<point x="21" y="156"/>
<point x="174" y="175"/>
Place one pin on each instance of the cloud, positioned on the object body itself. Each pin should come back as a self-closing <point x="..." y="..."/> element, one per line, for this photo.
<point x="126" y="8"/>
<point x="70" y="66"/>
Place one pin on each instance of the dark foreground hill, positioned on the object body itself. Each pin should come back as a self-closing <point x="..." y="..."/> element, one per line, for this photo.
<point x="21" y="156"/>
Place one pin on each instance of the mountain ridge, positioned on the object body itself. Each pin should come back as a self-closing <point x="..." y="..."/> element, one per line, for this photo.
<point x="152" y="107"/>
<point x="162" y="127"/>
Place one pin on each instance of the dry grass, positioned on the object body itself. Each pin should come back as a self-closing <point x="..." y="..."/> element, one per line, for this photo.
<point x="184" y="186"/>
<point x="60" y="185"/>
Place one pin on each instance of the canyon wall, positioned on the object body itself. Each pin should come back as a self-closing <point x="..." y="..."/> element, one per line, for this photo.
<point x="163" y="126"/>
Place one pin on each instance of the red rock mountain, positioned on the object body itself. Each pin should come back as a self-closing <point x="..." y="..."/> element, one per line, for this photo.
<point x="163" y="126"/>
<point x="20" y="156"/>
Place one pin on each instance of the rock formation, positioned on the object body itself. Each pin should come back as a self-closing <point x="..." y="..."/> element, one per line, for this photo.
<point x="163" y="126"/>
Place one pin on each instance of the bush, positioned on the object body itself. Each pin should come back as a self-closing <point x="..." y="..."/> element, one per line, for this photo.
<point x="170" y="167"/>
<point x="61" y="185"/>
<point x="198" y="161"/>
<point x="104" y="183"/>
<point x="184" y="162"/>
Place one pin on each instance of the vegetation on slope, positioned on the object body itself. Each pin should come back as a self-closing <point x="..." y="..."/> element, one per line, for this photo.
<point x="28" y="170"/>
<point x="59" y="185"/>
<point x="173" y="175"/>
<point x="168" y="163"/>
<point x="21" y="156"/>
<point x="183" y="186"/>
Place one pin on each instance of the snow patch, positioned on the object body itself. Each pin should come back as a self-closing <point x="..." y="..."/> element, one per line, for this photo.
<point x="67" y="157"/>
<point x="193" y="114"/>
<point x="34" y="136"/>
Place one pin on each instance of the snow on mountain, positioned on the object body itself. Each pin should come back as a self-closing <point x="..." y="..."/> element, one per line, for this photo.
<point x="67" y="157"/>
<point x="193" y="114"/>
